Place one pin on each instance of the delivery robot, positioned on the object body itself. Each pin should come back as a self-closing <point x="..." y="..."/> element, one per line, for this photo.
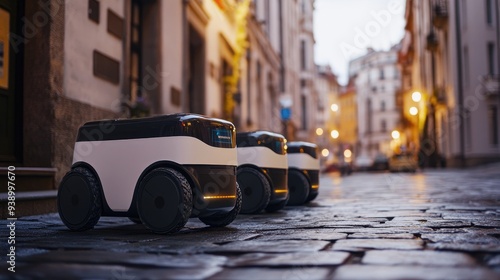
<point x="303" y="172"/>
<point x="158" y="171"/>
<point x="262" y="171"/>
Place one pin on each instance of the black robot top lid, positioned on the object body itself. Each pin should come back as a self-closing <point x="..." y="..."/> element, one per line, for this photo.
<point x="271" y="140"/>
<point x="213" y="131"/>
<point x="302" y="147"/>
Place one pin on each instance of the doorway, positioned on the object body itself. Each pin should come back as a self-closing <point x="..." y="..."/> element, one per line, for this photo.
<point x="10" y="83"/>
<point x="196" y="78"/>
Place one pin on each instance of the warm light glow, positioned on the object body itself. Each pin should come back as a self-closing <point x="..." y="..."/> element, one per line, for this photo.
<point x="416" y="96"/>
<point x="325" y="152"/>
<point x="280" y="191"/>
<point x="319" y="131"/>
<point x="219" y="196"/>
<point x="347" y="153"/>
<point x="334" y="134"/>
<point x="334" y="107"/>
<point x="395" y="134"/>
<point x="413" y="111"/>
<point x="314" y="186"/>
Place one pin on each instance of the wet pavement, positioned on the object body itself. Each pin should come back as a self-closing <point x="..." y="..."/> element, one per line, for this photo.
<point x="438" y="224"/>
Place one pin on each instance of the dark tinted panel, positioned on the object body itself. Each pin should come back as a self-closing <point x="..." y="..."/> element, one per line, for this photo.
<point x="273" y="141"/>
<point x="303" y="147"/>
<point x="214" y="132"/>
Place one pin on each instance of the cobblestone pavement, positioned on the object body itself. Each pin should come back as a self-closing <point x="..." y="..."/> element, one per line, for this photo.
<point x="429" y="225"/>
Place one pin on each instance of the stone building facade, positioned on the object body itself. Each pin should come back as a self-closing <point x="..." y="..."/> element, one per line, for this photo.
<point x="64" y="63"/>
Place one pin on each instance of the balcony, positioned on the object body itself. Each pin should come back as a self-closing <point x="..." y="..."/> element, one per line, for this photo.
<point x="440" y="16"/>
<point x="440" y="95"/>
<point x="491" y="85"/>
<point x="432" y="42"/>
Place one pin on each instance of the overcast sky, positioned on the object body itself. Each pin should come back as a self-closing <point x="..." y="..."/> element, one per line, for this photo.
<point x="344" y="29"/>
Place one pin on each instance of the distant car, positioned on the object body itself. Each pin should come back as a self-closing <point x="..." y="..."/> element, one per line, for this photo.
<point x="363" y="163"/>
<point x="403" y="162"/>
<point x="345" y="166"/>
<point x="381" y="162"/>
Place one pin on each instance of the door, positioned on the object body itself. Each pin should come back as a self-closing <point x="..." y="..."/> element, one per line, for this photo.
<point x="10" y="92"/>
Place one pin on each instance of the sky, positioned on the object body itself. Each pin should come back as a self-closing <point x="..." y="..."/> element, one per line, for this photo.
<point x="344" y="29"/>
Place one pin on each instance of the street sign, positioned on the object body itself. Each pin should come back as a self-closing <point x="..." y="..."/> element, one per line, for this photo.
<point x="286" y="113"/>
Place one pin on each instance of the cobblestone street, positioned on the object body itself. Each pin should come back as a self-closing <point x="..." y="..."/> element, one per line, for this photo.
<point x="436" y="224"/>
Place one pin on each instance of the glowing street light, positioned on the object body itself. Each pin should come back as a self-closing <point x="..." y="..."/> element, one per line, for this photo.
<point x="334" y="134"/>
<point x="416" y="96"/>
<point x="325" y="152"/>
<point x="334" y="107"/>
<point x="395" y="134"/>
<point x="319" y="131"/>
<point x="413" y="111"/>
<point x="347" y="153"/>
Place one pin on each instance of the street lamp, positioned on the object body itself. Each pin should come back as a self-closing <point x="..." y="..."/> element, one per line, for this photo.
<point x="413" y="111"/>
<point x="319" y="131"/>
<point x="334" y="107"/>
<point x="347" y="153"/>
<point x="416" y="96"/>
<point x="335" y="134"/>
<point x="325" y="152"/>
<point x="395" y="134"/>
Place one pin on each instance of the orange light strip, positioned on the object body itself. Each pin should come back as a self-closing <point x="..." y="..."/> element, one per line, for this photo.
<point x="219" y="196"/>
<point x="315" y="187"/>
<point x="280" y="191"/>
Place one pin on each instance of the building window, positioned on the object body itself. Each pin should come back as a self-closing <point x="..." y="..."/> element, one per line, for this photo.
<point x="94" y="10"/>
<point x="491" y="58"/>
<point x="493" y="121"/>
<point x="468" y="129"/>
<point x="136" y="51"/>
<point x="304" y="112"/>
<point x="464" y="14"/>
<point x="303" y="55"/>
<point x="268" y="18"/>
<point x="115" y="24"/>
<point x="382" y="106"/>
<point x="303" y="83"/>
<point x="489" y="12"/>
<point x="383" y="126"/>
<point x="466" y="66"/>
<point x="381" y="74"/>
<point x="368" y="116"/>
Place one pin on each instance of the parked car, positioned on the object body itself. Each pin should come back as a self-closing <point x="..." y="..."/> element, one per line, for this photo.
<point x="363" y="163"/>
<point x="381" y="162"/>
<point x="403" y="162"/>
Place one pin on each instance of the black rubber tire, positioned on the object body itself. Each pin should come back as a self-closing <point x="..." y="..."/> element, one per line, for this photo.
<point x="164" y="200"/>
<point x="273" y="207"/>
<point x="298" y="188"/>
<point x="136" y="220"/>
<point x="255" y="190"/>
<point x="79" y="201"/>
<point x="312" y="196"/>
<point x="227" y="218"/>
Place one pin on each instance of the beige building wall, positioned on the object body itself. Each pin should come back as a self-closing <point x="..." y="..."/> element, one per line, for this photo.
<point x="307" y="99"/>
<point x="170" y="64"/>
<point x="82" y="38"/>
<point x="260" y="107"/>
